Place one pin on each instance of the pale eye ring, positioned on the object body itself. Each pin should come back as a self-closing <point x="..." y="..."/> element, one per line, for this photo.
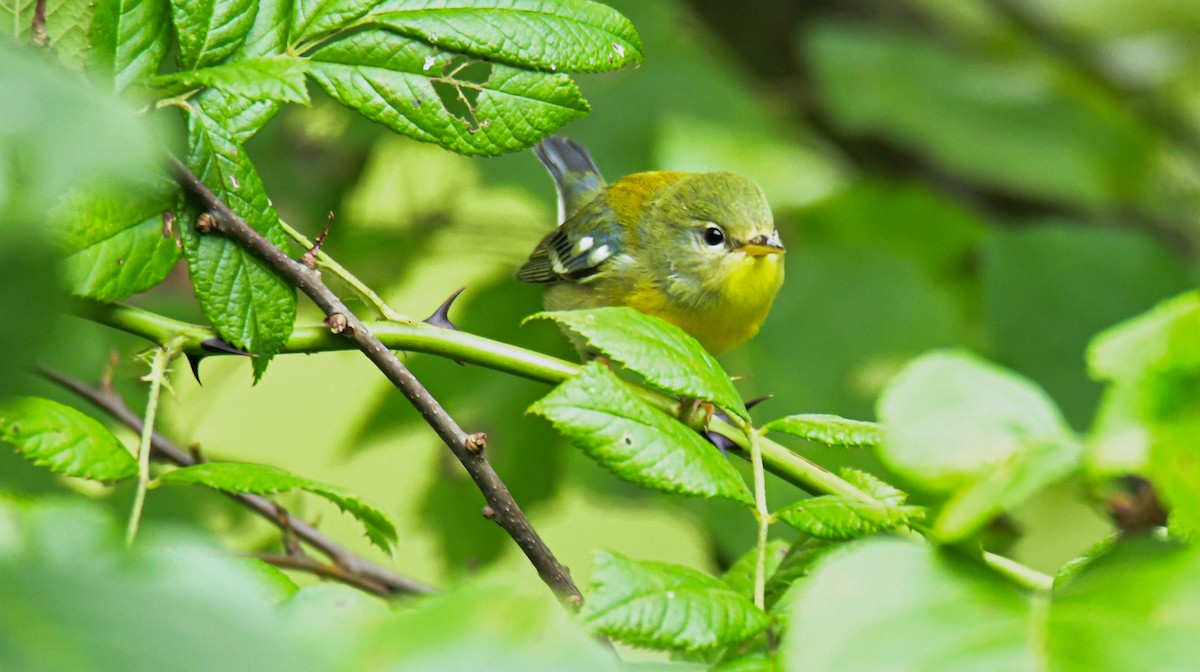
<point x="714" y="236"/>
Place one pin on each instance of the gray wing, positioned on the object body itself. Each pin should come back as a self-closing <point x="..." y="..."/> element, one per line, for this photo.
<point x="577" y="249"/>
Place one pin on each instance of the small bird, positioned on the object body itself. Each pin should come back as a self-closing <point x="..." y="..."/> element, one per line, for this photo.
<point x="699" y="250"/>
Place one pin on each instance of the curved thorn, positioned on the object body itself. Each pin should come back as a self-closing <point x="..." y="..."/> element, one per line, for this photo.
<point x="219" y="347"/>
<point x="194" y="362"/>
<point x="441" y="316"/>
<point x="754" y="402"/>
<point x="722" y="443"/>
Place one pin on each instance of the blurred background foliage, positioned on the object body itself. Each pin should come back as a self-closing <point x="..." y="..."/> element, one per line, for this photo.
<point x="1007" y="175"/>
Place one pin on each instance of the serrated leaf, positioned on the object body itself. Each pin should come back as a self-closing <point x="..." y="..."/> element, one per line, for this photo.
<point x="659" y="605"/>
<point x="391" y="80"/>
<point x="657" y="350"/>
<point x="314" y="18"/>
<point x="68" y="23"/>
<point x="259" y="479"/>
<point x="569" y="35"/>
<point x="129" y="39"/>
<point x="265" y="78"/>
<point x="208" y="31"/>
<point x="951" y="417"/>
<point x="64" y="440"/>
<point x="116" y="244"/>
<point x="1003" y="487"/>
<point x="1133" y="608"/>
<point x="740" y="575"/>
<point x="874" y="486"/>
<point x="866" y="607"/>
<point x="240" y="117"/>
<point x="268" y="35"/>
<point x="249" y="304"/>
<point x="636" y="441"/>
<point x="841" y="518"/>
<point x="831" y="430"/>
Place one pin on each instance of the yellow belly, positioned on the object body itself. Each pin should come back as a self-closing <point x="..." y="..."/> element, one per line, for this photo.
<point x="734" y="314"/>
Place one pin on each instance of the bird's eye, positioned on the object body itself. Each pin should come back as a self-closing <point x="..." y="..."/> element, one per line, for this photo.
<point x="714" y="236"/>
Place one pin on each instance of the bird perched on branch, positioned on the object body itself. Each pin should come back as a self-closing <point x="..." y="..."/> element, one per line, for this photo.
<point x="699" y="250"/>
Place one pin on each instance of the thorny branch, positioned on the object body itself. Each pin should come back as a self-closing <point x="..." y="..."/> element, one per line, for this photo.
<point x="346" y="565"/>
<point x="505" y="510"/>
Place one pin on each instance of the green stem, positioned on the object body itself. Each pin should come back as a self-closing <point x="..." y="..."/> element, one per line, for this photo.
<point x="158" y="371"/>
<point x="764" y="520"/>
<point x="366" y="293"/>
<point x="472" y="349"/>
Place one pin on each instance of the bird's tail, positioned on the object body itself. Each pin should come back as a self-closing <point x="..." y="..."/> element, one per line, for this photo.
<point x="576" y="176"/>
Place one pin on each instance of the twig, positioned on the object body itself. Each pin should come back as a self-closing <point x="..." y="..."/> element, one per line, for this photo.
<point x="763" y="516"/>
<point x="158" y="371"/>
<point x="352" y="564"/>
<point x="306" y="563"/>
<point x="507" y="513"/>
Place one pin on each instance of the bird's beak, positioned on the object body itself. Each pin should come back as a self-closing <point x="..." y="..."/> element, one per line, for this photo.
<point x="762" y="245"/>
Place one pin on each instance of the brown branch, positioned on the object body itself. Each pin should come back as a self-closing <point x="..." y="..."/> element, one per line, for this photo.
<point x="506" y="511"/>
<point x="381" y="580"/>
<point x="306" y="563"/>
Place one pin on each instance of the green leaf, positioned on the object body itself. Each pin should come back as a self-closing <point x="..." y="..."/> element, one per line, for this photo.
<point x="830" y="430"/>
<point x="250" y="305"/>
<point x="265" y="78"/>
<point x="62" y="134"/>
<point x="841" y="518"/>
<point x="636" y="441"/>
<point x="117" y="245"/>
<point x="1160" y="338"/>
<point x="951" y="417"/>
<point x="412" y="88"/>
<point x="1133" y="608"/>
<point x="164" y="603"/>
<point x="258" y="479"/>
<point x="874" y="486"/>
<point x="657" y="350"/>
<point x="569" y="35"/>
<point x="208" y="31"/>
<point x="1003" y="487"/>
<point x="129" y="38"/>
<point x="268" y="36"/>
<point x="740" y="575"/>
<point x="68" y="23"/>
<point x="64" y="440"/>
<point x="314" y="18"/>
<point x="659" y="605"/>
<point x="887" y="604"/>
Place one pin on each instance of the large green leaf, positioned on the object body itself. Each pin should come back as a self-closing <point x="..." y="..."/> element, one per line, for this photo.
<point x="172" y="601"/>
<point x="568" y="35"/>
<point x="1134" y="608"/>
<point x="250" y="305"/>
<point x="117" y="245"/>
<point x="951" y="417"/>
<point x="660" y="605"/>
<point x="129" y="40"/>
<point x="1163" y="337"/>
<point x="831" y="430"/>
<point x="210" y="30"/>
<point x="658" y="351"/>
<point x="391" y="80"/>
<point x="64" y="440"/>
<point x="840" y="518"/>
<point x="258" y="479"/>
<point x="636" y="441"/>
<point x="263" y="78"/>
<point x="314" y="18"/>
<point x="885" y="604"/>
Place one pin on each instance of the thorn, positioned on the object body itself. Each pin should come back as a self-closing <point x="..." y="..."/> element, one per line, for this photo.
<point x="336" y="322"/>
<point x="722" y="442"/>
<point x="197" y="456"/>
<point x="754" y="402"/>
<point x="441" y="317"/>
<point x="489" y="513"/>
<point x="310" y="257"/>
<point x="205" y="223"/>
<point x="218" y="347"/>
<point x="476" y="443"/>
<point x="194" y="362"/>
